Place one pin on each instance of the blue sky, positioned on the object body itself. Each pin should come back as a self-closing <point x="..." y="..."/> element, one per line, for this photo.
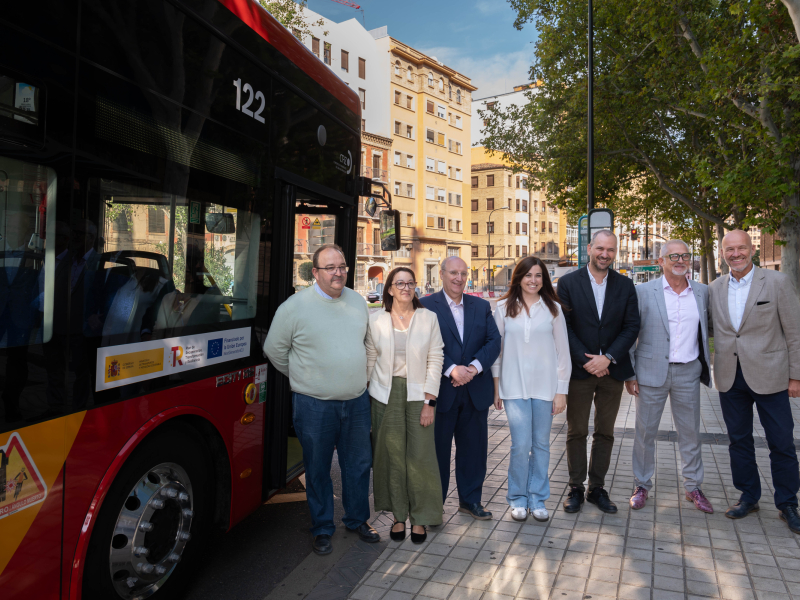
<point x="475" y="37"/>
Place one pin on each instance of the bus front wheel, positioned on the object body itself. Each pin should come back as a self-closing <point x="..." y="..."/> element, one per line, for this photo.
<point x="153" y="520"/>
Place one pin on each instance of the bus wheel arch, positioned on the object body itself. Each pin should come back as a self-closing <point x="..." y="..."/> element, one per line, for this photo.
<point x="163" y="501"/>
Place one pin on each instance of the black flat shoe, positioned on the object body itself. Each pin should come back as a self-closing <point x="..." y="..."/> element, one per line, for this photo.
<point x="476" y="511"/>
<point x="397" y="536"/>
<point x="599" y="497"/>
<point x="741" y="509"/>
<point x="322" y="544"/>
<point x="366" y="533"/>
<point x="418" y="538"/>
<point x="791" y="518"/>
<point x="574" y="500"/>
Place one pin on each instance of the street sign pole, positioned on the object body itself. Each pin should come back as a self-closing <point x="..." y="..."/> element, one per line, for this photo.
<point x="590" y="136"/>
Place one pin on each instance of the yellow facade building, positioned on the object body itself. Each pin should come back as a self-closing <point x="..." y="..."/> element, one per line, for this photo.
<point x="430" y="119"/>
<point x="509" y="222"/>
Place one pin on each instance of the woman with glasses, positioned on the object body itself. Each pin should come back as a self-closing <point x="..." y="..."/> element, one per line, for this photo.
<point x="531" y="376"/>
<point x="404" y="366"/>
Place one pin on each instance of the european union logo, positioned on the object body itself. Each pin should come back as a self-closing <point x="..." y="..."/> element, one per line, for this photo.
<point x="214" y="348"/>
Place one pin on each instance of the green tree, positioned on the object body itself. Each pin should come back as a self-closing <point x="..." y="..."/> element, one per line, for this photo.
<point x="697" y="113"/>
<point x="291" y="14"/>
<point x="304" y="271"/>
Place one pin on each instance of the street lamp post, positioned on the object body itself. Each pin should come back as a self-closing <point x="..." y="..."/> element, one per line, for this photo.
<point x="590" y="124"/>
<point x="489" y="246"/>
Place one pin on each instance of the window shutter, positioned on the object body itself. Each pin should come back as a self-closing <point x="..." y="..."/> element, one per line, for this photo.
<point x="440" y="139"/>
<point x="429" y="106"/>
<point x="345" y="60"/>
<point x="362" y="68"/>
<point x="315" y="46"/>
<point x="431" y="221"/>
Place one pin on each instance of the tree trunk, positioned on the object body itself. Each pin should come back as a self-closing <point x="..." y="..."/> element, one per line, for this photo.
<point x="723" y="266"/>
<point x="708" y="256"/>
<point x="703" y="266"/>
<point x="789" y="232"/>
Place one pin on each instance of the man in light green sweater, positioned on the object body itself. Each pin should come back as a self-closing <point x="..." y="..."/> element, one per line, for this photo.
<point x="317" y="341"/>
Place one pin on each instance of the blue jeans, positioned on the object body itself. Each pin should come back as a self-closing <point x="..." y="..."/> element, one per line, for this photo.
<point x="321" y="426"/>
<point x="529" y="420"/>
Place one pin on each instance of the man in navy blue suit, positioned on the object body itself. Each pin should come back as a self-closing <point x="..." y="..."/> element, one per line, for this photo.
<point x="471" y="345"/>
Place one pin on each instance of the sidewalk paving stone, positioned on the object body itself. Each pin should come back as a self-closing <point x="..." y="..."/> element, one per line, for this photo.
<point x="666" y="551"/>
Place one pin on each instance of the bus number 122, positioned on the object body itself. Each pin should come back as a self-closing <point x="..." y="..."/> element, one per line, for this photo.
<point x="248" y="89"/>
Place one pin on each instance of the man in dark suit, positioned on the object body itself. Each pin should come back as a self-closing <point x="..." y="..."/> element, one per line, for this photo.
<point x="471" y="345"/>
<point x="602" y="325"/>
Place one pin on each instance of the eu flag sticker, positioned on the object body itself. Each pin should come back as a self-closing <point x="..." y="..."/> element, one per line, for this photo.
<point x="214" y="348"/>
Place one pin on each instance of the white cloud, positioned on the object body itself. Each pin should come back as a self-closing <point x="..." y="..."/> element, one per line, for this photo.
<point x="491" y="74"/>
<point x="487" y="7"/>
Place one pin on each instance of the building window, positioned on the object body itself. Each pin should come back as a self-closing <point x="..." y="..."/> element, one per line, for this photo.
<point x="409" y="131"/>
<point x="490" y="204"/>
<point x="441" y="167"/>
<point x="155" y="220"/>
<point x="459" y="175"/>
<point x="397" y="127"/>
<point x="555" y="227"/>
<point x="474" y="182"/>
<point x="491" y="251"/>
<point x="397" y="97"/>
<point x="474" y="252"/>
<point x="363" y="124"/>
<point x="409" y="190"/>
<point x="362" y="68"/>
<point x="550" y="228"/>
<point x="315" y="46"/>
<point x="409" y="161"/>
<point x="518" y="181"/>
<point x="327" y="56"/>
<point x="429" y="106"/>
<point x="363" y="95"/>
<point x="535" y="206"/>
<point x="510" y="225"/>
<point x="517" y="204"/>
<point x="524" y="206"/>
<point x="296" y="33"/>
<point x="441" y="222"/>
<point x="524" y="251"/>
<point x="509" y="181"/>
<point x="458" y="122"/>
<point x="544" y="206"/>
<point x="509" y="250"/>
<point x="544" y="226"/>
<point x="517" y="248"/>
<point x="524" y="229"/>
<point x="453" y="251"/>
<point x="429" y="192"/>
<point x="454" y="199"/>
<point x="397" y="156"/>
<point x="440" y="139"/>
<point x="490" y="105"/>
<point x="474" y="229"/>
<point x="490" y="227"/>
<point x="430" y="221"/>
<point x="510" y="207"/>
<point x="489" y="180"/>
<point x="440" y="195"/>
<point x="441" y="85"/>
<point x="345" y="61"/>
<point x="474" y="206"/>
<point x="429" y="135"/>
<point x="430" y="164"/>
<point x="440" y="111"/>
<point x="396" y="67"/>
<point x="396" y="188"/>
<point x="517" y="228"/>
<point x="430" y="80"/>
<point x="410" y="73"/>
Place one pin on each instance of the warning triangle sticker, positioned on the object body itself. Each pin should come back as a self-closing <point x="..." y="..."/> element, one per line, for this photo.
<point x="21" y="485"/>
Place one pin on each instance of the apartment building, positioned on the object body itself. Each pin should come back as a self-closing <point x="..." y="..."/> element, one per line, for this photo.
<point x="518" y="98"/>
<point x="430" y="117"/>
<point x="509" y="222"/>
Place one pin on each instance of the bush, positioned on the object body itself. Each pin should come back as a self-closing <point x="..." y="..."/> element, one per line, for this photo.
<point x="304" y="271"/>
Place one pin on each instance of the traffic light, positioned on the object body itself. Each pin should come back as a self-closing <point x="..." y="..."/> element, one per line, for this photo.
<point x="634" y="234"/>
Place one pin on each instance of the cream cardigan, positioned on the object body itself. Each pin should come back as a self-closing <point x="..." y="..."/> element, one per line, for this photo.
<point x="424" y="355"/>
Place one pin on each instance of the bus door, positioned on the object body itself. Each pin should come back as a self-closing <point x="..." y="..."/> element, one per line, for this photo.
<point x="311" y="221"/>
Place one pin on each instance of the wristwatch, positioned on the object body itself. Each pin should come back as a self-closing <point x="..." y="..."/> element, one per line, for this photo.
<point x="431" y="403"/>
<point x="611" y="358"/>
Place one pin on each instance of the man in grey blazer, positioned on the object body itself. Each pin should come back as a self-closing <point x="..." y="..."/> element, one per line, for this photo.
<point x="756" y="328"/>
<point x="671" y="359"/>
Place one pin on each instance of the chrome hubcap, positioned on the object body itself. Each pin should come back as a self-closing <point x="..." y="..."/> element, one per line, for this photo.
<point x="151" y="532"/>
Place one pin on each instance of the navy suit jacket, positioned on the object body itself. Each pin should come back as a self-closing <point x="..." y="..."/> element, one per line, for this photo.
<point x="481" y="343"/>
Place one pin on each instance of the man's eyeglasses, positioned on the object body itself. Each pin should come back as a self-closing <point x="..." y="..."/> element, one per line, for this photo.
<point x="463" y="274"/>
<point x="686" y="256"/>
<point x="334" y="270"/>
<point x="401" y="285"/>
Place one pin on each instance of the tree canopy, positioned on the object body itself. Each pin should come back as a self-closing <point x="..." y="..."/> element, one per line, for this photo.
<point x="697" y="112"/>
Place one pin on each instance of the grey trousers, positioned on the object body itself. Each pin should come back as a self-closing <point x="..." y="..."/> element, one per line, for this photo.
<point x="683" y="388"/>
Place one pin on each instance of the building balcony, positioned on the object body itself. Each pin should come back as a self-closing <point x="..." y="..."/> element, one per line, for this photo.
<point x="370" y="250"/>
<point x="375" y="173"/>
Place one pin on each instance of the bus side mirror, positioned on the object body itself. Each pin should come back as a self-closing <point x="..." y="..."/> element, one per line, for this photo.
<point x="220" y="223"/>
<point x="390" y="230"/>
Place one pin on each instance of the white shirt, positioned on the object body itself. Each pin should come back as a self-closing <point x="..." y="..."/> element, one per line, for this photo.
<point x="534" y="359"/>
<point x="458" y="316"/>
<point x="684" y="319"/>
<point x="737" y="297"/>
<point x="599" y="291"/>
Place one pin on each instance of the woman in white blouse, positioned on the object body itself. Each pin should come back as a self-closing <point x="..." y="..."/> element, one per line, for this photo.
<point x="531" y="376"/>
<point x="405" y="353"/>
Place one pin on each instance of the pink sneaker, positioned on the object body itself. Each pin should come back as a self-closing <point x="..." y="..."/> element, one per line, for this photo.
<point x="639" y="498"/>
<point x="700" y="501"/>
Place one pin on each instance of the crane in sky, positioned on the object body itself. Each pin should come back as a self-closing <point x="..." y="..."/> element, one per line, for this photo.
<point x="352" y="5"/>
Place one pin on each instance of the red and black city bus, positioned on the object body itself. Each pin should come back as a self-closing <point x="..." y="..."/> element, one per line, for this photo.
<point x="162" y="165"/>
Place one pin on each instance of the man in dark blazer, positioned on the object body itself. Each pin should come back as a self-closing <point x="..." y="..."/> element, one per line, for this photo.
<point x="471" y="345"/>
<point x="602" y="325"/>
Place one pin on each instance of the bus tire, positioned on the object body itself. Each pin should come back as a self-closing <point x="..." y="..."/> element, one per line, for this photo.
<point x="153" y="520"/>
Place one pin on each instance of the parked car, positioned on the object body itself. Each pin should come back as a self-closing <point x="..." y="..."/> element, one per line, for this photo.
<point x="373" y="296"/>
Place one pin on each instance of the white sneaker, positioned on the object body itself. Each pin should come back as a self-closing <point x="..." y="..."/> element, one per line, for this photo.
<point x="519" y="514"/>
<point x="540" y="514"/>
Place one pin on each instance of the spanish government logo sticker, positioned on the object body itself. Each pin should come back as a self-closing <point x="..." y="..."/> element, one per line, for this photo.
<point x="21" y="485"/>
